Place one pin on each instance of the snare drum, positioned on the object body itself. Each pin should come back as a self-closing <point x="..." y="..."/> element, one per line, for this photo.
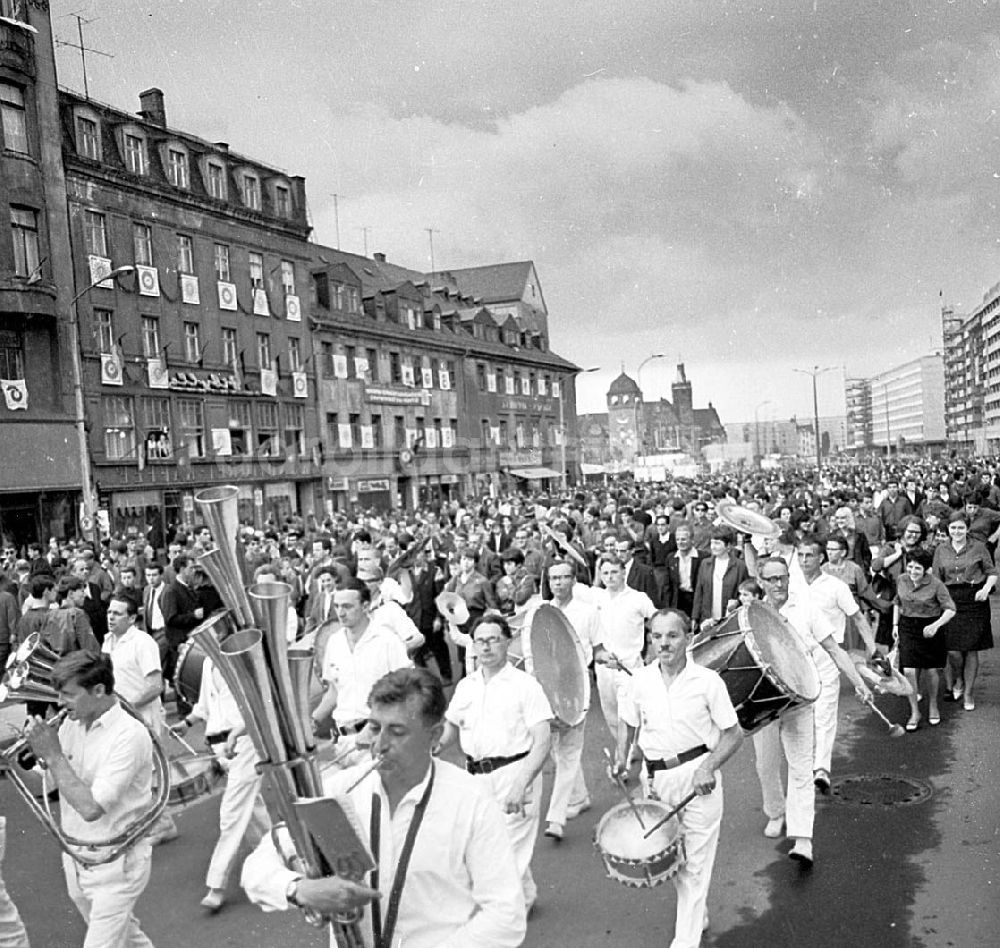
<point x="631" y="859"/>
<point x="193" y="776"/>
<point x="187" y="674"/>
<point x="763" y="662"/>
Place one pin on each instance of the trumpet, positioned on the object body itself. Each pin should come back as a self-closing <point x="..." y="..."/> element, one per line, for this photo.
<point x="248" y="644"/>
<point x="29" y="679"/>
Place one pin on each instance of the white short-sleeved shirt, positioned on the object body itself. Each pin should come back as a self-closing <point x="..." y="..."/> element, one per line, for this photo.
<point x="832" y="597"/>
<point x="114" y="758"/>
<point x="622" y="618"/>
<point x="393" y="618"/>
<point x="216" y="705"/>
<point x="135" y="655"/>
<point x="583" y="619"/>
<point x="813" y="627"/>
<point x="494" y="718"/>
<point x="355" y="670"/>
<point x="694" y="710"/>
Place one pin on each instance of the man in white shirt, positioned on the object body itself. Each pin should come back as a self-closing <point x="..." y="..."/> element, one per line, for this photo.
<point x="792" y="735"/>
<point x="102" y="762"/>
<point x="832" y="597"/>
<point x="12" y="931"/>
<point x="688" y="731"/>
<point x="356" y="656"/>
<point x="138" y="679"/>
<point x="459" y="888"/>
<point x="502" y="720"/>
<point x="622" y="612"/>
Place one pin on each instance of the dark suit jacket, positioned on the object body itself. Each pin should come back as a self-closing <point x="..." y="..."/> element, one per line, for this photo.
<point x="97" y="611"/>
<point x="678" y="598"/>
<point x="177" y="604"/>
<point x="640" y="576"/>
<point x="421" y="608"/>
<point x="735" y="573"/>
<point x="314" y="614"/>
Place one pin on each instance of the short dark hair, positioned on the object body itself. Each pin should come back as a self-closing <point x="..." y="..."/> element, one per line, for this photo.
<point x="400" y="685"/>
<point x="131" y="604"/>
<point x="87" y="669"/>
<point x="493" y="618"/>
<point x="838" y="540"/>
<point x="68" y="584"/>
<point x="41" y="584"/>
<point x="355" y="585"/>
<point x="664" y="613"/>
<point x="921" y="557"/>
<point x="513" y="555"/>
<point x="180" y="562"/>
<point x="726" y="534"/>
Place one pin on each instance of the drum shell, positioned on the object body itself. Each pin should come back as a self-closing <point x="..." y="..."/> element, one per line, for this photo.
<point x="187" y="674"/>
<point x="631" y="859"/>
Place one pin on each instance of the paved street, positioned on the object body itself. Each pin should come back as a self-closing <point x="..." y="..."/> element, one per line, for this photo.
<point x="922" y="875"/>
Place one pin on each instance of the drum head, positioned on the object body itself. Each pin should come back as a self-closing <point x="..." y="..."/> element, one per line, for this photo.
<point x="557" y="664"/>
<point x="620" y="834"/>
<point x="781" y="651"/>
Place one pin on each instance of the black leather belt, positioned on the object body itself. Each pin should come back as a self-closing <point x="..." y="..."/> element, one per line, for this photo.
<point x="219" y="738"/>
<point x="488" y="764"/>
<point x="652" y="766"/>
<point x="357" y="727"/>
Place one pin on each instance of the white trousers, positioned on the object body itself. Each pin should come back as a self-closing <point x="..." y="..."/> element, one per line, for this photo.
<point x="522" y="828"/>
<point x="241" y="811"/>
<point x="105" y="896"/>
<point x="12" y="933"/>
<point x="610" y="682"/>
<point x="825" y="714"/>
<point x="568" y="786"/>
<point x="700" y="822"/>
<point x="789" y="738"/>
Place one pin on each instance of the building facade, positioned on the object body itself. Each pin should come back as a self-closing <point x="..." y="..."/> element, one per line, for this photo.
<point x="972" y="375"/>
<point x="908" y="407"/>
<point x="40" y="454"/>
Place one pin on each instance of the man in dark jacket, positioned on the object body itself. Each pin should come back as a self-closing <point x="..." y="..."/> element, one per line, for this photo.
<point x="719" y="578"/>
<point x="181" y="610"/>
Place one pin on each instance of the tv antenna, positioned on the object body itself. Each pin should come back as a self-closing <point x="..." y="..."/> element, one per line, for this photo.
<point x="83" y="48"/>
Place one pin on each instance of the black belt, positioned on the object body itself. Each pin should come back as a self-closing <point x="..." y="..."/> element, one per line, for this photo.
<point x="357" y="727"/>
<point x="488" y="764"/>
<point x="219" y="738"/>
<point x="652" y="766"/>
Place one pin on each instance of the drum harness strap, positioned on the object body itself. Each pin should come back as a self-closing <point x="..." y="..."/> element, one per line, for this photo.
<point x="652" y="766"/>
<point x="488" y="764"/>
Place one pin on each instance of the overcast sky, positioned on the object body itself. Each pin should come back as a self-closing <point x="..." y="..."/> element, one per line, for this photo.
<point x="749" y="187"/>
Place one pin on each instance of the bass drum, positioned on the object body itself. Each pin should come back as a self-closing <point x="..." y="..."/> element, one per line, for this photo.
<point x="763" y="662"/>
<point x="630" y="858"/>
<point x="187" y="674"/>
<point x="558" y="665"/>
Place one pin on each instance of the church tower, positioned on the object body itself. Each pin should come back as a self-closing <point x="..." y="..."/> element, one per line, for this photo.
<point x="683" y="397"/>
<point x="624" y="421"/>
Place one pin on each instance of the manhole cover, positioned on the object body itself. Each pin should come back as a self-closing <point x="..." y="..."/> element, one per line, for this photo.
<point x="881" y="790"/>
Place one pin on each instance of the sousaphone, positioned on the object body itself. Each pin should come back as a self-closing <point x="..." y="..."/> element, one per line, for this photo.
<point x="744" y="520"/>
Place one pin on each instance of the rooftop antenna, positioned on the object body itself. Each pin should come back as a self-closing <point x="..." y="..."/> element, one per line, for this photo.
<point x="336" y="218"/>
<point x="430" y="236"/>
<point x="83" y="48"/>
<point x="364" y="230"/>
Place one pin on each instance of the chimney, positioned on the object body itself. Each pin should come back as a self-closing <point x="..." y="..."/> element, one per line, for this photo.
<point x="223" y="147"/>
<point x="379" y="257"/>
<point x="151" y="107"/>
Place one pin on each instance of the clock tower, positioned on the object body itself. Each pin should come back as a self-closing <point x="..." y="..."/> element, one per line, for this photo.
<point x="625" y="421"/>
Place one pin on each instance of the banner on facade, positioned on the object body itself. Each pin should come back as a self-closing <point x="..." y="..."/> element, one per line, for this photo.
<point x="300" y="385"/>
<point x="269" y="382"/>
<point x="190" y="293"/>
<point x="149" y="280"/>
<point x="156" y="374"/>
<point x="111" y="368"/>
<point x="15" y="394"/>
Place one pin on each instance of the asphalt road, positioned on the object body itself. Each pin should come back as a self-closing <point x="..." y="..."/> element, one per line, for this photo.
<point x="921" y="874"/>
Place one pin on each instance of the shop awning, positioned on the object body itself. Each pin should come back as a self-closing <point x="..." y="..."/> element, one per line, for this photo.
<point x="534" y="473"/>
<point x="586" y="468"/>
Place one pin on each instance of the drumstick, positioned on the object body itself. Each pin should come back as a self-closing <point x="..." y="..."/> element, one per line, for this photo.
<point x="618" y="662"/>
<point x="680" y="806"/>
<point x="895" y="730"/>
<point x="621" y="786"/>
<point x="180" y="740"/>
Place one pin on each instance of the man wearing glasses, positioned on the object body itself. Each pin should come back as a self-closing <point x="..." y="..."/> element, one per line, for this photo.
<point x="792" y="734"/>
<point x="502" y="719"/>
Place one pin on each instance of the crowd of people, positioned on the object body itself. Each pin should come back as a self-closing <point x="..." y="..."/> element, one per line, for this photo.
<point x="884" y="564"/>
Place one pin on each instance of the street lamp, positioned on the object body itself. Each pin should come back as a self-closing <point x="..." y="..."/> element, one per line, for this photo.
<point x="88" y="520"/>
<point x="813" y="372"/>
<point x="562" y="422"/>
<point x="756" y="428"/>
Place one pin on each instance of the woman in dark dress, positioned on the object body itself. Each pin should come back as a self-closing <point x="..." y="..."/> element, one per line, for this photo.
<point x="923" y="609"/>
<point x="966" y="568"/>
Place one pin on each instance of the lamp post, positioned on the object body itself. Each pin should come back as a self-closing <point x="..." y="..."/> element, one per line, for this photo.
<point x="562" y="422"/>
<point x="813" y="372"/>
<point x="88" y="520"/>
<point x="888" y="433"/>
<point x="756" y="429"/>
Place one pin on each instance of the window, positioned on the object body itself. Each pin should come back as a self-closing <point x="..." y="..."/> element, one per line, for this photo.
<point x="326" y="359"/>
<point x="372" y="356"/>
<point x="288" y="277"/>
<point x="88" y="142"/>
<point x="216" y="181"/>
<point x="282" y="201"/>
<point x="241" y="428"/>
<point x="268" y="445"/>
<point x="320" y="290"/>
<point x="484" y="432"/>
<point x="504" y="433"/>
<point x="185" y="254"/>
<point x="295" y="355"/>
<point x="350" y="353"/>
<point x="251" y="192"/>
<point x="24" y="230"/>
<point x="230" y="354"/>
<point x="256" y="270"/>
<point x="355" y="422"/>
<point x="338" y="295"/>
<point x="192" y="419"/>
<point x="395" y="368"/>
<point x="332" y="430"/>
<point x="142" y="244"/>
<point x="353" y="300"/>
<point x="295" y="431"/>
<point x="399" y="431"/>
<point x="156" y="423"/>
<point x="11" y="354"/>
<point x="222" y="263"/>
<point x="12" y="118"/>
<point x="119" y="428"/>
<point x="95" y="234"/>
<point x="104" y="327"/>
<point x="264" y="350"/>
<point x="192" y="342"/>
<point x="150" y="337"/>
<point x="481" y="376"/>
<point x="135" y="154"/>
<point x="377" y="440"/>
<point x="177" y="168"/>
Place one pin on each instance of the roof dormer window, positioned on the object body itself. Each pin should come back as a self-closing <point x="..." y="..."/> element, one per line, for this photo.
<point x="215" y="179"/>
<point x="178" y="171"/>
<point x="250" y="190"/>
<point x="88" y="136"/>
<point x="135" y="153"/>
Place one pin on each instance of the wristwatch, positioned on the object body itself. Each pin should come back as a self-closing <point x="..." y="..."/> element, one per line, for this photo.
<point x="291" y="890"/>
